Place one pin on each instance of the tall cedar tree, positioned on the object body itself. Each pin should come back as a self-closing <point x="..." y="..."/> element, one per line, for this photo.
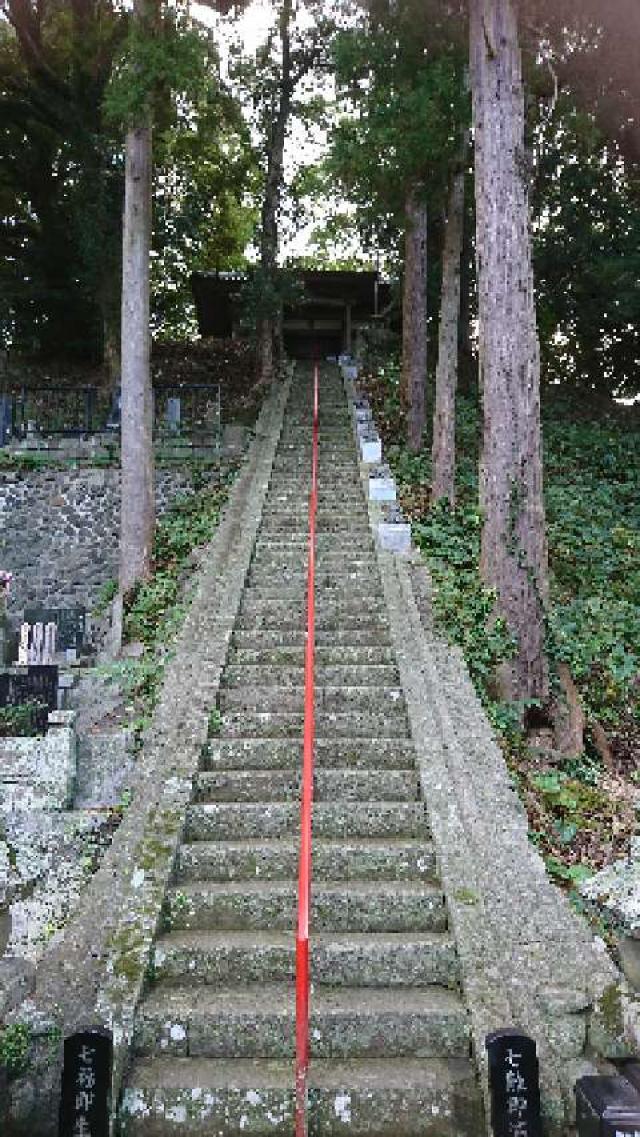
<point x="443" y="452"/>
<point x="270" y="82"/>
<point x="513" y="548"/>
<point x="60" y="184"/>
<point x="137" y="515"/>
<point x="392" y="160"/>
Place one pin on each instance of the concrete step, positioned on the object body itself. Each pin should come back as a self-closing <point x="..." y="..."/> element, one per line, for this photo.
<point x="337" y="906"/>
<point x="338" y="494"/>
<point x="232" y="821"/>
<point x="328" y="519"/>
<point x="334" y="638"/>
<point x="334" y="675"/>
<point x="334" y="604"/>
<point x="335" y="785"/>
<point x="353" y="959"/>
<point x="327" y="591"/>
<point x="273" y="753"/>
<point x="274" y="573"/>
<point x="289" y="620"/>
<point x="342" y="700"/>
<point x="258" y="1021"/>
<point x="395" y="858"/>
<point x="329" y="659"/>
<point x="266" y="724"/>
<point x="334" y="547"/>
<point x="272" y="583"/>
<point x="187" y="1097"/>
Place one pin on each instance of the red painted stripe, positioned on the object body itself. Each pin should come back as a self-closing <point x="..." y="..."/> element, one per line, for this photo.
<point x="304" y="877"/>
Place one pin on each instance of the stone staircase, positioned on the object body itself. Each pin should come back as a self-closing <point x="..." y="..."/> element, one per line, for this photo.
<point x="214" y="1037"/>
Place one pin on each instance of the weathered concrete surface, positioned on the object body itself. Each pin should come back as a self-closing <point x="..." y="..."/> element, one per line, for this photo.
<point x="96" y="973"/>
<point x="401" y="1098"/>
<point x="40" y="772"/>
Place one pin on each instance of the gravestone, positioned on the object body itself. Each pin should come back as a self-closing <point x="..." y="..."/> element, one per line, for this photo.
<point x="514" y="1084"/>
<point x="85" y="1099"/>
<point x="173" y="415"/>
<point x="49" y="650"/>
<point x="23" y="646"/>
<point x="113" y="420"/>
<point x="607" y="1107"/>
<point x="70" y="623"/>
<point x="6" y="419"/>
<point x="36" y="646"/>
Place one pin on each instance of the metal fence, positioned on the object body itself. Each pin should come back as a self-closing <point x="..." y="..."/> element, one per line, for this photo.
<point x="191" y="413"/>
<point x="53" y="410"/>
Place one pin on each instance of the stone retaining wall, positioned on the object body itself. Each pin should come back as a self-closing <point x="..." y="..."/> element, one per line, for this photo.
<point x="59" y="531"/>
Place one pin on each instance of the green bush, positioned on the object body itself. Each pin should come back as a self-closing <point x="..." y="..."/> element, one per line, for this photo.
<point x="20" y="721"/>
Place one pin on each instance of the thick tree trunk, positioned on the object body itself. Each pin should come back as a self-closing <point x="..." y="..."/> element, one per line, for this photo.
<point x="467" y="362"/>
<point x="414" y="316"/>
<point x="137" y="518"/>
<point x="514" y="551"/>
<point x="443" y="454"/>
<point x="271" y="201"/>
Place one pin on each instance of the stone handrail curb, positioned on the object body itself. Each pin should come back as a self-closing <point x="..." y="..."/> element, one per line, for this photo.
<point x="122" y="906"/>
<point x="526" y="958"/>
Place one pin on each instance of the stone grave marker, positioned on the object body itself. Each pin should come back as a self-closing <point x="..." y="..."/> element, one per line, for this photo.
<point x="514" y="1084"/>
<point x="50" y="635"/>
<point x="6" y="419"/>
<point x="85" y="1099"/>
<point x="70" y="624"/>
<point x="113" y="418"/>
<point x="23" y="646"/>
<point x="36" y="644"/>
<point x="173" y="415"/>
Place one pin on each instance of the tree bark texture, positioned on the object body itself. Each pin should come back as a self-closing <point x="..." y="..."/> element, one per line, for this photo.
<point x="137" y="518"/>
<point x="443" y="454"/>
<point x="272" y="195"/>
<point x="414" y="316"/>
<point x="513" y="548"/>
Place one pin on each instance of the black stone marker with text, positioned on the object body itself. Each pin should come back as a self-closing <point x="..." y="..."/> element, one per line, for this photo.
<point x="514" y="1084"/>
<point x="85" y="1101"/>
<point x="607" y="1106"/>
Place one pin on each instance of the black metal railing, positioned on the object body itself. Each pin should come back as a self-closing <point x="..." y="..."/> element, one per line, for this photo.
<point x="54" y="411"/>
<point x="189" y="412"/>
